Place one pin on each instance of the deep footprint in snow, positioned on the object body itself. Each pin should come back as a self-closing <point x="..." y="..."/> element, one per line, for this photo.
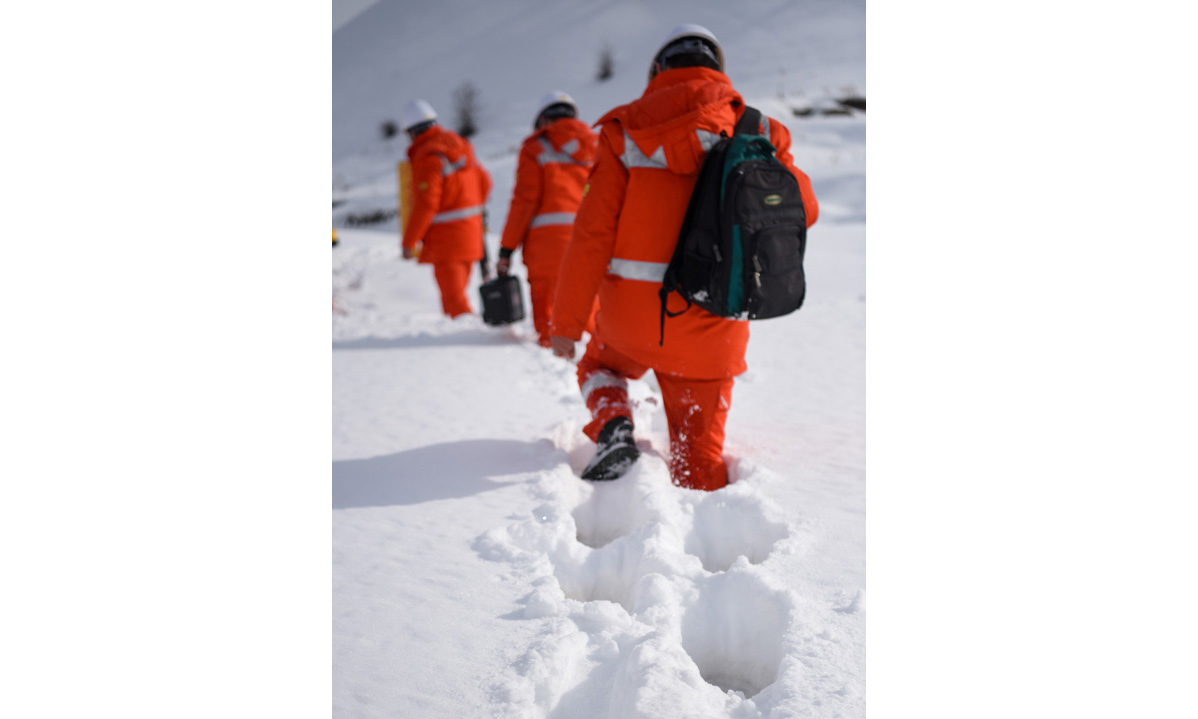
<point x="613" y="510"/>
<point x="728" y="526"/>
<point x="622" y="530"/>
<point x="734" y="632"/>
<point x="608" y="574"/>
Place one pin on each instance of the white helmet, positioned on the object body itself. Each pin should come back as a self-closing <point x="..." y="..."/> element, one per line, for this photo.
<point x="557" y="97"/>
<point x="685" y="31"/>
<point x="417" y="112"/>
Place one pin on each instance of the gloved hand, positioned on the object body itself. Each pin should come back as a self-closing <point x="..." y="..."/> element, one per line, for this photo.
<point x="503" y="266"/>
<point x="409" y="253"/>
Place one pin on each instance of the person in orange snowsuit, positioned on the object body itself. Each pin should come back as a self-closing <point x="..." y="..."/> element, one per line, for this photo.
<point x="650" y="152"/>
<point x="554" y="163"/>
<point x="449" y="190"/>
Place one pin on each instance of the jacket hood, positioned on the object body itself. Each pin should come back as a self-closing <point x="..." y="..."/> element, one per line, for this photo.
<point x="438" y="139"/>
<point x="570" y="136"/>
<point x="676" y="104"/>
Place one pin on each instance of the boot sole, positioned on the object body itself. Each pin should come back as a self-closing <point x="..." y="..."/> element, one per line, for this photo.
<point x="613" y="465"/>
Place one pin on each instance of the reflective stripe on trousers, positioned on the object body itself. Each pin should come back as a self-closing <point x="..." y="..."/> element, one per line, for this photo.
<point x="461" y="214"/>
<point x="637" y="270"/>
<point x="599" y="379"/>
<point x="552" y="218"/>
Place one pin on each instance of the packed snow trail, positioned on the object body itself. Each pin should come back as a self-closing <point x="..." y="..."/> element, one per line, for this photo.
<point x="475" y="574"/>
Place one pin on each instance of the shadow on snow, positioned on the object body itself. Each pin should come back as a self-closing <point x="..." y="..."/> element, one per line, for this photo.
<point x="469" y="338"/>
<point x="440" y="471"/>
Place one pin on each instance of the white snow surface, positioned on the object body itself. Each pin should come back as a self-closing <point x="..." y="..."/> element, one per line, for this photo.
<point x="474" y="574"/>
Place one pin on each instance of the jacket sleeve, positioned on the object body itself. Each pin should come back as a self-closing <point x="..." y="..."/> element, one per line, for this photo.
<point x="780" y="138"/>
<point x="526" y="197"/>
<point x="426" y="198"/>
<point x="592" y="243"/>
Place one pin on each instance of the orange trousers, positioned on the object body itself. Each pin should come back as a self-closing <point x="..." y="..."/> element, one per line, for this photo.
<point x="696" y="410"/>
<point x="540" y="291"/>
<point x="452" y="278"/>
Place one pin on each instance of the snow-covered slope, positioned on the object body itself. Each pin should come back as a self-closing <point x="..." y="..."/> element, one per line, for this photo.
<point x="514" y="51"/>
<point x="474" y="574"/>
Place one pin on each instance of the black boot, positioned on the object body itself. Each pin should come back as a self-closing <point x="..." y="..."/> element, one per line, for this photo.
<point x="615" y="451"/>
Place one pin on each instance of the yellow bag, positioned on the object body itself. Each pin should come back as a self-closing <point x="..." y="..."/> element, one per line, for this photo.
<point x="405" y="195"/>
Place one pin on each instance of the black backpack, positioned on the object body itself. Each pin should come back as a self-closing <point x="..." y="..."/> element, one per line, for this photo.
<point x="740" y="250"/>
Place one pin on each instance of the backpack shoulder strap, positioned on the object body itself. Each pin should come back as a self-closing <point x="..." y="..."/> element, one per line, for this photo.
<point x="749" y="122"/>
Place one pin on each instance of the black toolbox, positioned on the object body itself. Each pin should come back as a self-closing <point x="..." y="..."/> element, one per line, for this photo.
<point x="503" y="301"/>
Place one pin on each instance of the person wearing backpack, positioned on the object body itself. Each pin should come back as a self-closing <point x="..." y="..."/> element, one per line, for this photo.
<point x="625" y="233"/>
<point x="449" y="191"/>
<point x="553" y="166"/>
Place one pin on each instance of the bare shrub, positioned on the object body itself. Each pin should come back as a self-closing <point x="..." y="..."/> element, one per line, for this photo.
<point x="465" y="101"/>
<point x="607" y="62"/>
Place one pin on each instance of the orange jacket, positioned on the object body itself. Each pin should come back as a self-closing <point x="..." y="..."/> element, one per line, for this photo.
<point x="554" y="164"/>
<point x="650" y="152"/>
<point x="449" y="190"/>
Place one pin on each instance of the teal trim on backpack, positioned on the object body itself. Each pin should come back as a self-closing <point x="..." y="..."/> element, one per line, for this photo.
<point x="741" y="148"/>
<point x="736" y="283"/>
